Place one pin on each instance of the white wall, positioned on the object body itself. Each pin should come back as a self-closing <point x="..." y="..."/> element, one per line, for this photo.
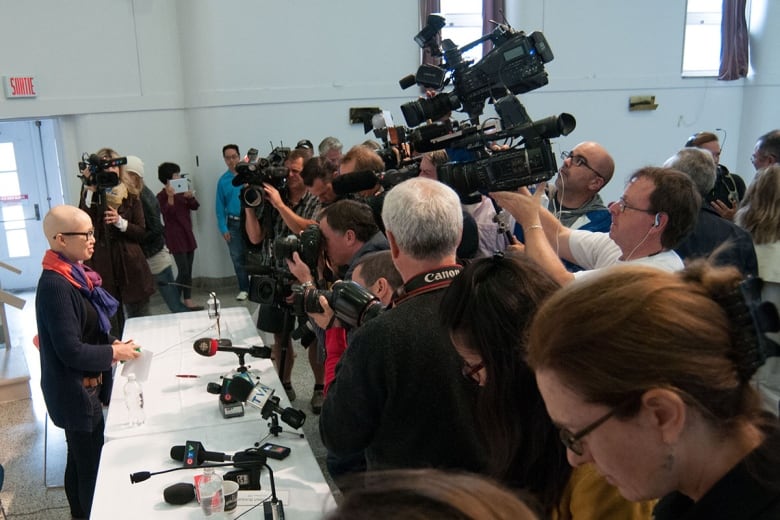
<point x="176" y="80"/>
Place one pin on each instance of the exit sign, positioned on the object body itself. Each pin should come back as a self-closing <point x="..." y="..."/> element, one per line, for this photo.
<point x="19" y="87"/>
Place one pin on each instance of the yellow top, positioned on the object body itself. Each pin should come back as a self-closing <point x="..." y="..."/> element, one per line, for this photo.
<point x="588" y="496"/>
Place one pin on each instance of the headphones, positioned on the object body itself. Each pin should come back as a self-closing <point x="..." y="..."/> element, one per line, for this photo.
<point x="657" y="220"/>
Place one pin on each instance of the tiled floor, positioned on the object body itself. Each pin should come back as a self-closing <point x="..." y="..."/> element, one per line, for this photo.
<point x="24" y="494"/>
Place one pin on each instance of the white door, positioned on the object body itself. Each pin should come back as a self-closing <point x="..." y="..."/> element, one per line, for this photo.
<point x="23" y="200"/>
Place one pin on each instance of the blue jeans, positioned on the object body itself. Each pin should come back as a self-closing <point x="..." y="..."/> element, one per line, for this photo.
<point x="236" y="247"/>
<point x="169" y="291"/>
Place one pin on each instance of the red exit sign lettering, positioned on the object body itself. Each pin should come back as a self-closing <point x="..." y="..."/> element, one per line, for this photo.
<point x="19" y="86"/>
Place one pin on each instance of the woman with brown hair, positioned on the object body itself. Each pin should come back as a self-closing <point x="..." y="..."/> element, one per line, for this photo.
<point x="647" y="376"/>
<point x="428" y="494"/>
<point x="487" y="310"/>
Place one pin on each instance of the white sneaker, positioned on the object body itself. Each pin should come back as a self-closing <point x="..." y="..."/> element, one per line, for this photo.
<point x="242" y="296"/>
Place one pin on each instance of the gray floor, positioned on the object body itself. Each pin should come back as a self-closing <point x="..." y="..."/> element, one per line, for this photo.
<point x="24" y="493"/>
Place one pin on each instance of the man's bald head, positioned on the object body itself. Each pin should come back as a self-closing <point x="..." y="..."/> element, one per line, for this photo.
<point x="62" y="219"/>
<point x="598" y="158"/>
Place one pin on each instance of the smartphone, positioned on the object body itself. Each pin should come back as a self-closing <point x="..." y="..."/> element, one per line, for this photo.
<point x="274" y="451"/>
<point x="180" y="185"/>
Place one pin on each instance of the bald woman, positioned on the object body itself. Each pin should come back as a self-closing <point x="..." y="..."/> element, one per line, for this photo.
<point x="77" y="349"/>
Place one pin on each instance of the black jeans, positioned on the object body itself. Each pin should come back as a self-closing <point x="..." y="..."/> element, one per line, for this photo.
<point x="81" y="470"/>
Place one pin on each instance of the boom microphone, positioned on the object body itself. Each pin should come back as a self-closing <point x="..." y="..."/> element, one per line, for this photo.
<point x="354" y="182"/>
<point x="210" y="346"/>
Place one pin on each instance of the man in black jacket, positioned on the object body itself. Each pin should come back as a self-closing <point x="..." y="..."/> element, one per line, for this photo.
<point x="712" y="231"/>
<point x="399" y="393"/>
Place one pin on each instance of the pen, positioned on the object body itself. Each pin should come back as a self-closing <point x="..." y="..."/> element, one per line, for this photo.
<point x="187" y="376"/>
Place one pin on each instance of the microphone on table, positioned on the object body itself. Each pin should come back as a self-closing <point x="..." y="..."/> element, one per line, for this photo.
<point x="210" y="346"/>
<point x="250" y="458"/>
<point x="179" y="494"/>
<point x="194" y="454"/>
<point x="263" y="398"/>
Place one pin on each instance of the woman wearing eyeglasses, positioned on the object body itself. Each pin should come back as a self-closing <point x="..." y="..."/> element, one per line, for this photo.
<point x="487" y="310"/>
<point x="647" y="376"/>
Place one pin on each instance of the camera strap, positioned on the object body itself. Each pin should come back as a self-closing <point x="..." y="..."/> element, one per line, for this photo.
<point x="427" y="282"/>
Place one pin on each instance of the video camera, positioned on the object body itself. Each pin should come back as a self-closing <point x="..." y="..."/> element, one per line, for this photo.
<point x="259" y="170"/>
<point x="515" y="65"/>
<point x="272" y="286"/>
<point x="352" y="303"/>
<point x="98" y="174"/>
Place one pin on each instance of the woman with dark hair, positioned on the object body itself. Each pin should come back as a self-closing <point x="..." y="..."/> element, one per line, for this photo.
<point x="647" y="374"/>
<point x="487" y="310"/>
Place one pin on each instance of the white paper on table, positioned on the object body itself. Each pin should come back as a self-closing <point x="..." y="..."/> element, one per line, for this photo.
<point x="139" y="366"/>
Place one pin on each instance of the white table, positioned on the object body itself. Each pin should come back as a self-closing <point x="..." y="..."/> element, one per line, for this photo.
<point x="172" y="403"/>
<point x="180" y="409"/>
<point x="299" y="482"/>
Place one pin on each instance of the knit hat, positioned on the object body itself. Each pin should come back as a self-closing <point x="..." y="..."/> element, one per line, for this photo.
<point x="135" y="165"/>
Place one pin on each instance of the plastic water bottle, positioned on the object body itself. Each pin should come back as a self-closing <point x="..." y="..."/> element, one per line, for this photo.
<point x="210" y="491"/>
<point x="134" y="398"/>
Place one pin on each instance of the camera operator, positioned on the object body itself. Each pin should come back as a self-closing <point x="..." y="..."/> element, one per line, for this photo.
<point x="377" y="273"/>
<point x="349" y="232"/>
<point x="118" y="218"/>
<point x="399" y="393"/>
<point x="318" y="173"/>
<point x="286" y="215"/>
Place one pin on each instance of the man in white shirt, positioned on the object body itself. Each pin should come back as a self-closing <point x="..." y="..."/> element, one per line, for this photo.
<point x="658" y="208"/>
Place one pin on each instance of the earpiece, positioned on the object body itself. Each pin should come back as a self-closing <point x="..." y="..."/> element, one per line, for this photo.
<point x="657" y="221"/>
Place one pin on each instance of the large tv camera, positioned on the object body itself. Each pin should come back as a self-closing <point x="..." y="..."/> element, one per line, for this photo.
<point x="352" y="303"/>
<point x="256" y="171"/>
<point x="514" y="66"/>
<point x="99" y="175"/>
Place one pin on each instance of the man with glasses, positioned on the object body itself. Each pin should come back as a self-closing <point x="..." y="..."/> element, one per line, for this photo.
<point x="228" y="207"/>
<point x="574" y="198"/>
<point x="657" y="210"/>
<point x="767" y="150"/>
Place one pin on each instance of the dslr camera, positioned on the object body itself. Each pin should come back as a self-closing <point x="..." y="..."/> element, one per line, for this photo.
<point x="273" y="285"/>
<point x="98" y="174"/>
<point x="259" y="170"/>
<point x="352" y="303"/>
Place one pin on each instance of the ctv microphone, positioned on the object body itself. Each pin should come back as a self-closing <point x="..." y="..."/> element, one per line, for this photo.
<point x="262" y="397"/>
<point x="354" y="182"/>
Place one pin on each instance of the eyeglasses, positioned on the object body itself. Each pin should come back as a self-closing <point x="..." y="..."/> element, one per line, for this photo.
<point x="623" y="206"/>
<point x="469" y="371"/>
<point x="86" y="234"/>
<point x="573" y="441"/>
<point x="579" y="160"/>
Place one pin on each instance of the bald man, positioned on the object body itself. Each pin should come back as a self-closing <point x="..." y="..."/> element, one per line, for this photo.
<point x="77" y="349"/>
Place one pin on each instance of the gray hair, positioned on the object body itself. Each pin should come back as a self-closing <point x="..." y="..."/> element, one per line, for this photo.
<point x="328" y="144"/>
<point x="425" y="218"/>
<point x="698" y="164"/>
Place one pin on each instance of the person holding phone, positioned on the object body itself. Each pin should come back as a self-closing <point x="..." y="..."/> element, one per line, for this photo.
<point x="176" y="210"/>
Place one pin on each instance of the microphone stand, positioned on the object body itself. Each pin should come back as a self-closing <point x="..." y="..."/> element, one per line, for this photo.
<point x="274" y="509"/>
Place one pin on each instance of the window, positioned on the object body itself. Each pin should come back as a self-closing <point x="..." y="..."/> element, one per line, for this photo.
<point x="701" y="50"/>
<point x="464" y="24"/>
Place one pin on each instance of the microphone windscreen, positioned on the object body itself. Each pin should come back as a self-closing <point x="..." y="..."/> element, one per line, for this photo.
<point x="407" y="81"/>
<point x="205" y="347"/>
<point x="179" y="494"/>
<point x="240" y="388"/>
<point x="177" y="453"/>
<point x="354" y="182"/>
